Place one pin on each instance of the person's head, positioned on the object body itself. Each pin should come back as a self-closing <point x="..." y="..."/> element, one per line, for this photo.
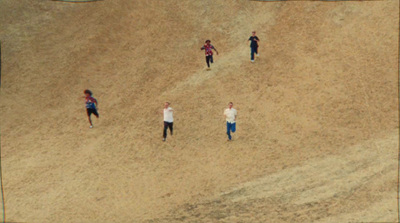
<point x="208" y="42"/>
<point x="230" y="104"/>
<point x="87" y="92"/>
<point x="166" y="104"/>
<point x="253" y="33"/>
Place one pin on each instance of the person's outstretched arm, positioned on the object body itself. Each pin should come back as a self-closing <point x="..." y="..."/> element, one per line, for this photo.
<point x="215" y="49"/>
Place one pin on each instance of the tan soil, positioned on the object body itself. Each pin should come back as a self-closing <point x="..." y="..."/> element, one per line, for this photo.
<point x="317" y="137"/>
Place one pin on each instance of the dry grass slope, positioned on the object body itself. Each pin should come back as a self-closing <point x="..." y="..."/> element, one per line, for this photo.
<point x="317" y="135"/>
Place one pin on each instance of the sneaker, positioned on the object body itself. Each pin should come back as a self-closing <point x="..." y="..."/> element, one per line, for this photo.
<point x="91" y="126"/>
<point x="257" y="55"/>
<point x="208" y="68"/>
<point x="164" y="139"/>
<point x="252" y="61"/>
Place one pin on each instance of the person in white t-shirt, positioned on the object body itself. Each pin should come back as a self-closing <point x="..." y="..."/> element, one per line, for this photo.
<point x="230" y="115"/>
<point x="168" y="120"/>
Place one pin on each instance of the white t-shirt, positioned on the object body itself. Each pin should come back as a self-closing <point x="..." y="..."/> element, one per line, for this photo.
<point x="230" y="115"/>
<point x="168" y="114"/>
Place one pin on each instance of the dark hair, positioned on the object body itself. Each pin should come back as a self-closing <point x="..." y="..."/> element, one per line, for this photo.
<point x="208" y="41"/>
<point x="230" y="103"/>
<point x="87" y="91"/>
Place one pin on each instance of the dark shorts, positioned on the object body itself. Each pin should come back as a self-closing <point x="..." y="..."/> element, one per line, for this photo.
<point x="92" y="111"/>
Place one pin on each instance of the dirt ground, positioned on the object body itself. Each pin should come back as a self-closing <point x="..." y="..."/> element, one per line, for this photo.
<point x="317" y="134"/>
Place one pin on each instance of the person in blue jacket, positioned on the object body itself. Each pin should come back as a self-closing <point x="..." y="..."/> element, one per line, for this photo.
<point x="253" y="45"/>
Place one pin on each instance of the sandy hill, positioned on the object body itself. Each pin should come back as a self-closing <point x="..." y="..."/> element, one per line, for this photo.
<point x="317" y="137"/>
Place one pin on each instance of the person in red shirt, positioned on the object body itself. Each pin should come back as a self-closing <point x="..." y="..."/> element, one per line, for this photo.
<point x="209" y="53"/>
<point x="91" y="106"/>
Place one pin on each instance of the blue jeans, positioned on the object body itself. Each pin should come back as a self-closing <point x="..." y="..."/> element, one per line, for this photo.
<point x="254" y="50"/>
<point x="209" y="59"/>
<point x="230" y="127"/>
<point x="167" y="125"/>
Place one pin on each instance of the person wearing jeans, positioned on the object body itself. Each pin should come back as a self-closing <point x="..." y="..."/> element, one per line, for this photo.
<point x="209" y="53"/>
<point x="253" y="45"/>
<point x="168" y="120"/>
<point x="230" y="115"/>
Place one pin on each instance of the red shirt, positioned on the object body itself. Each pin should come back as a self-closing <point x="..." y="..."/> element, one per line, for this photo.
<point x="208" y="49"/>
<point x="90" y="102"/>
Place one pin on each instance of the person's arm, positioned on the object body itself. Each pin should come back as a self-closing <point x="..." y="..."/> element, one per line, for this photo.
<point x="202" y="48"/>
<point x="215" y="49"/>
<point x="257" y="39"/>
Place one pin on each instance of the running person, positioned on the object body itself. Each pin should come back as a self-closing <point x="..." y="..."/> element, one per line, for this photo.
<point x="91" y="104"/>
<point x="168" y="120"/>
<point x="230" y="115"/>
<point x="209" y="53"/>
<point x="253" y="45"/>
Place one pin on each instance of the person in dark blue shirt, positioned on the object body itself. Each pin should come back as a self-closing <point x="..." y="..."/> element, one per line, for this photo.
<point x="253" y="45"/>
